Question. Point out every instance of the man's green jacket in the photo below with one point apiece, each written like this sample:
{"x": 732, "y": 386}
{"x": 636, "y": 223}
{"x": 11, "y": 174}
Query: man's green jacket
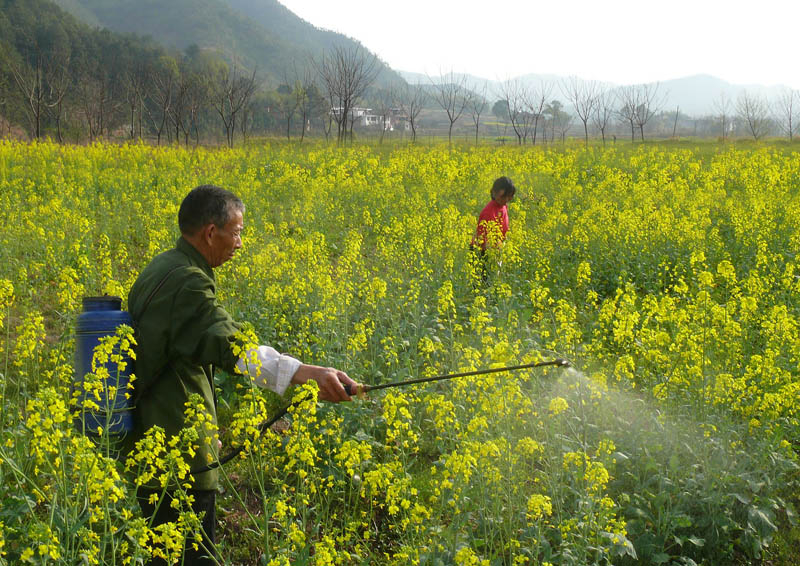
{"x": 183, "y": 334}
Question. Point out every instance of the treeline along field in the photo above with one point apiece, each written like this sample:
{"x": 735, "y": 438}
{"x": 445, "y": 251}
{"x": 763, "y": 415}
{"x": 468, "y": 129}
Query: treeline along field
{"x": 668, "y": 276}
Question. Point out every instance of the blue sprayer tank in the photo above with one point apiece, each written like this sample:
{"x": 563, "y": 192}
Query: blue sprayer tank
{"x": 100, "y": 317}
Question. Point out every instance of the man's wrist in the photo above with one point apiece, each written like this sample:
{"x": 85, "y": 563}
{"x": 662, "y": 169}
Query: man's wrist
{"x": 301, "y": 375}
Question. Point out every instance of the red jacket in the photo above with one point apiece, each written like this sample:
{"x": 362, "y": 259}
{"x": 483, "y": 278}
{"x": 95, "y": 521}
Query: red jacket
{"x": 486, "y": 233}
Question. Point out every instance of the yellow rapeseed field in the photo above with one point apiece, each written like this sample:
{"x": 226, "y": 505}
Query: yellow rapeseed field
{"x": 668, "y": 276}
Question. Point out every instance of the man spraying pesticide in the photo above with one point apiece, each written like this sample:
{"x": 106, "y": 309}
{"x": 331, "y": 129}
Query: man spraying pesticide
{"x": 184, "y": 334}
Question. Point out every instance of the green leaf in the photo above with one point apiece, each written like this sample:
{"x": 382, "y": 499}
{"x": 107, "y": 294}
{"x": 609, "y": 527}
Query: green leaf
{"x": 790, "y": 516}
{"x": 761, "y": 521}
{"x": 361, "y": 436}
{"x": 619, "y": 456}
{"x": 683, "y": 521}
{"x": 742, "y": 498}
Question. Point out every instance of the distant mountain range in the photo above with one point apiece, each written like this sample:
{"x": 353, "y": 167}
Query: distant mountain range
{"x": 260, "y": 34}
{"x": 265, "y": 35}
{"x": 694, "y": 96}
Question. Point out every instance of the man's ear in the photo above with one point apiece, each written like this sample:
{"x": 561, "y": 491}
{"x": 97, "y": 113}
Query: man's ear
{"x": 208, "y": 232}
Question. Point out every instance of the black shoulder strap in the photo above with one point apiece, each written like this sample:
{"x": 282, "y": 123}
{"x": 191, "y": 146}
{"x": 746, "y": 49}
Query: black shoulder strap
{"x": 138, "y": 394}
{"x": 157, "y": 289}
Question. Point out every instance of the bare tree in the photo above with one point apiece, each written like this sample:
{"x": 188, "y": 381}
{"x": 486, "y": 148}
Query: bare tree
{"x": 328, "y": 124}
{"x": 535, "y": 103}
{"x": 515, "y": 95}
{"x": 563, "y": 122}
{"x": 785, "y": 110}
{"x": 604, "y": 110}
{"x": 40, "y": 67}
{"x": 754, "y": 111}
{"x": 198, "y": 71}
{"x": 293, "y": 97}
{"x": 198, "y": 98}
{"x": 346, "y": 73}
{"x": 29, "y": 78}
{"x": 135, "y": 85}
{"x": 384, "y": 99}
{"x": 626, "y": 111}
{"x": 99, "y": 100}
{"x": 722, "y": 107}
{"x": 246, "y": 121}
{"x": 311, "y": 101}
{"x": 638, "y": 104}
{"x": 301, "y": 98}
{"x": 163, "y": 77}
{"x": 243, "y": 94}
{"x": 476, "y": 105}
{"x": 412, "y": 100}
{"x": 452, "y": 95}
{"x": 190, "y": 91}
{"x": 529, "y": 121}
{"x": 288, "y": 102}
{"x": 583, "y": 97}
{"x": 560, "y": 121}
{"x": 93, "y": 98}
{"x": 178, "y": 111}
{"x": 58, "y": 81}
{"x": 230, "y": 92}
{"x": 648, "y": 103}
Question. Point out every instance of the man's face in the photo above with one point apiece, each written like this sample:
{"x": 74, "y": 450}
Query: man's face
{"x": 225, "y": 241}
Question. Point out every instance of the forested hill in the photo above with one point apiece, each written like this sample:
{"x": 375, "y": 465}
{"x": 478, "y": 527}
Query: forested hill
{"x": 53, "y": 66}
{"x": 282, "y": 23}
{"x": 74, "y": 80}
{"x": 260, "y": 34}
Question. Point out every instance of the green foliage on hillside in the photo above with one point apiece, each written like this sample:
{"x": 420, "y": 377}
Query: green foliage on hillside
{"x": 180, "y": 23}
{"x": 261, "y": 35}
{"x": 281, "y": 22}
{"x": 83, "y": 14}
{"x": 51, "y": 62}
{"x": 61, "y": 78}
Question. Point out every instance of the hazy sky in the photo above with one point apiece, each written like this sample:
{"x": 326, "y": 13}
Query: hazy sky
{"x": 620, "y": 41}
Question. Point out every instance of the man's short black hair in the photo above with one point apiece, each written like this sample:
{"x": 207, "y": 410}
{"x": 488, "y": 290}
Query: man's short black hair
{"x": 503, "y": 186}
{"x": 207, "y": 204}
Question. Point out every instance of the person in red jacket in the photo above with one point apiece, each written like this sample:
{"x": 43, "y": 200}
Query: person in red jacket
{"x": 493, "y": 222}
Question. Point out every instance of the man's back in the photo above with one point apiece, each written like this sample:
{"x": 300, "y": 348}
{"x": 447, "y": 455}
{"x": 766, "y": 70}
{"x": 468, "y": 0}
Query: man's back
{"x": 182, "y": 335}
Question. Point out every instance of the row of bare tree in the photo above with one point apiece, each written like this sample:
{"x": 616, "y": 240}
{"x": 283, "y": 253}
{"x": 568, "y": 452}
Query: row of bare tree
{"x": 753, "y": 113}
{"x": 592, "y": 103}
{"x": 597, "y": 106}
{"x": 174, "y": 96}
{"x": 532, "y": 112}
{"x": 759, "y": 115}
{"x": 155, "y": 95}
{"x": 178, "y": 96}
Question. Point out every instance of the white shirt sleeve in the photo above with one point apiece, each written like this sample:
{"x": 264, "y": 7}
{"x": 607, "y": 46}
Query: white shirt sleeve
{"x": 268, "y": 368}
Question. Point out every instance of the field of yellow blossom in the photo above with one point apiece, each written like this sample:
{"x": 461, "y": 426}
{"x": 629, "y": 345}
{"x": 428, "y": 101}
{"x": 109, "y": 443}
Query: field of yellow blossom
{"x": 668, "y": 275}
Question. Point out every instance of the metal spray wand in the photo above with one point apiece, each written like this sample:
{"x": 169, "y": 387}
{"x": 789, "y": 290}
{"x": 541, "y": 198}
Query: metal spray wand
{"x": 364, "y": 388}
